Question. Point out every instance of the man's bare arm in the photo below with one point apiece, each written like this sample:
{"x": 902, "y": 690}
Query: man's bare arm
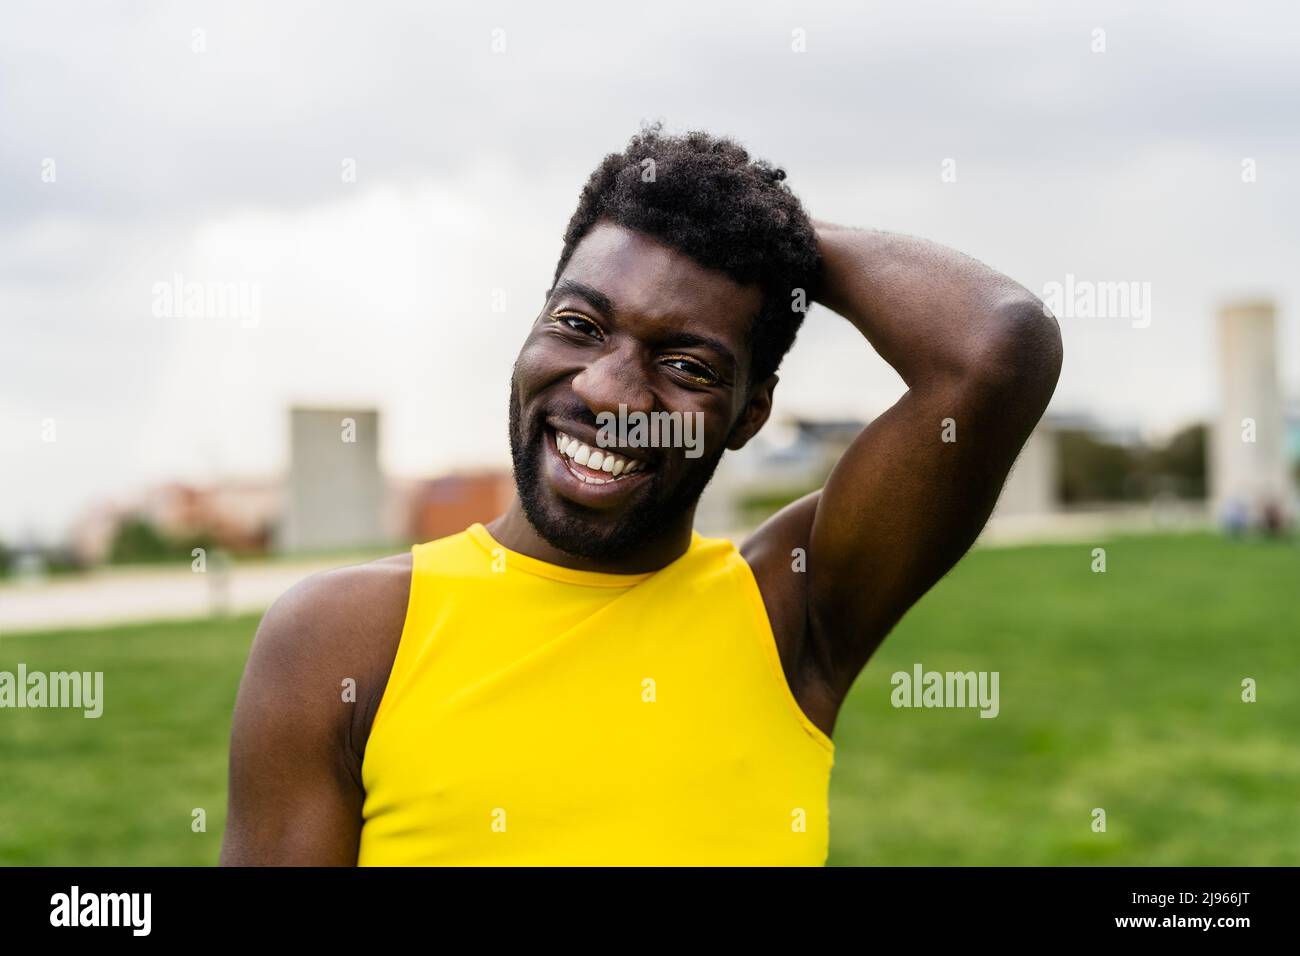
{"x": 297, "y": 741}
{"x": 980, "y": 358}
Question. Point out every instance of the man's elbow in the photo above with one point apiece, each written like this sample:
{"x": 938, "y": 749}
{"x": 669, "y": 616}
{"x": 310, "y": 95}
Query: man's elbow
{"x": 1022, "y": 351}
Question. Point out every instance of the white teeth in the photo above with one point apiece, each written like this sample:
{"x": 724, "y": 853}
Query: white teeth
{"x": 584, "y": 454}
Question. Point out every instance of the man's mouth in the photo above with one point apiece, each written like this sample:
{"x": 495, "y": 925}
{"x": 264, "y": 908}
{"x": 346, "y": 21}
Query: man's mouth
{"x": 594, "y": 466}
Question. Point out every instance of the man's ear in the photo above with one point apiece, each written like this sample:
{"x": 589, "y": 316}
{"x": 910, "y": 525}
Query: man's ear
{"x": 754, "y": 417}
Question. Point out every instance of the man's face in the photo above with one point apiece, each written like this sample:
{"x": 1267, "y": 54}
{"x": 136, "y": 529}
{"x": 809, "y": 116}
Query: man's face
{"x": 631, "y": 322}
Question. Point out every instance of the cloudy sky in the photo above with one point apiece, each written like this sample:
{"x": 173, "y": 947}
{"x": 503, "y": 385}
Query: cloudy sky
{"x": 382, "y": 174}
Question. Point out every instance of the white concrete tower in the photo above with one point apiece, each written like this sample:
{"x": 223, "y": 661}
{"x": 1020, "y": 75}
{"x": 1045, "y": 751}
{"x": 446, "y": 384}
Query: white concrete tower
{"x": 335, "y": 488}
{"x": 1248, "y": 460}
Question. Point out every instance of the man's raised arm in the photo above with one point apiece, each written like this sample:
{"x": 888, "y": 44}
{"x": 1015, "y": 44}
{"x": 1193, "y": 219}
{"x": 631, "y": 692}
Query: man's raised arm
{"x": 980, "y": 358}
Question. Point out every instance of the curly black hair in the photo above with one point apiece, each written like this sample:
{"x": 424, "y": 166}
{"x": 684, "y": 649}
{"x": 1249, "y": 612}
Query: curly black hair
{"x": 707, "y": 199}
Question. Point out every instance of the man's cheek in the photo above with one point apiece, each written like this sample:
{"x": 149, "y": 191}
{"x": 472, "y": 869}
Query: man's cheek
{"x": 535, "y": 374}
{"x": 522, "y": 371}
{"x": 715, "y": 438}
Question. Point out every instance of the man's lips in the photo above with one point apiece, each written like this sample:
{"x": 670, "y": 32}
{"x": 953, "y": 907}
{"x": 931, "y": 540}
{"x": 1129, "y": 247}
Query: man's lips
{"x": 585, "y": 485}
{"x": 648, "y": 458}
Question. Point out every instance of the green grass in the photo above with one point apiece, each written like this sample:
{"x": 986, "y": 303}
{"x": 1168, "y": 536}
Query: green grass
{"x": 1119, "y": 690}
{"x": 120, "y": 789}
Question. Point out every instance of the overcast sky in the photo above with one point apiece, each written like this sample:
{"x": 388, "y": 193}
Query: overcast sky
{"x": 134, "y": 149}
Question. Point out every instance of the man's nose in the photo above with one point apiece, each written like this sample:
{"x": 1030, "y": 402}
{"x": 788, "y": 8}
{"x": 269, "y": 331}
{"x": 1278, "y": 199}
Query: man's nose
{"x": 615, "y": 378}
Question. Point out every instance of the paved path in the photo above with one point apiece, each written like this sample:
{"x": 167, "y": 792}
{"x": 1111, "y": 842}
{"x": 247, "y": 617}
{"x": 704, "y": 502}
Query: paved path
{"x": 119, "y": 595}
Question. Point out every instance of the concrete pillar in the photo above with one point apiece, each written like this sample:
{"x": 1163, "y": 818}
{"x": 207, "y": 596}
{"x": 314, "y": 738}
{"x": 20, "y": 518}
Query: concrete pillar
{"x": 1248, "y": 470}
{"x": 1031, "y": 486}
{"x": 335, "y": 490}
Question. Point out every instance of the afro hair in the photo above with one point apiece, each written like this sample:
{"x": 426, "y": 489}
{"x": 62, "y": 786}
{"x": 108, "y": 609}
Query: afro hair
{"x": 703, "y": 196}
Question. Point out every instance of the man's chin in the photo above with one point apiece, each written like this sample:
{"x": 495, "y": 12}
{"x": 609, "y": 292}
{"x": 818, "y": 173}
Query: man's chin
{"x": 628, "y": 524}
{"x": 581, "y": 531}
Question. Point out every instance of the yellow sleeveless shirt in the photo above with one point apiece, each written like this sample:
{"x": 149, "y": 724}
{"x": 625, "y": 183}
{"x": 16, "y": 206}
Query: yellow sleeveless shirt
{"x": 539, "y": 715}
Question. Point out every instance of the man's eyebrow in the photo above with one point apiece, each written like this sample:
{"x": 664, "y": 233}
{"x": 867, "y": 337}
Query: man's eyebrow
{"x": 599, "y": 301}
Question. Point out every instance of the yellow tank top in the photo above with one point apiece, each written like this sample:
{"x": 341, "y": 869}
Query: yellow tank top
{"x": 539, "y": 715}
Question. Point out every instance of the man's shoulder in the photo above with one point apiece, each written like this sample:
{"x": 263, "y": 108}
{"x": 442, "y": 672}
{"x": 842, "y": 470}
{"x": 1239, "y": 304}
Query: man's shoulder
{"x": 336, "y": 624}
{"x": 341, "y": 599}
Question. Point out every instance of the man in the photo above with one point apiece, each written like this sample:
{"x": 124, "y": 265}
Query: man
{"x": 586, "y": 679}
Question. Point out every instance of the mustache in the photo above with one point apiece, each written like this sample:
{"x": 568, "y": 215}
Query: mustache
{"x": 578, "y": 414}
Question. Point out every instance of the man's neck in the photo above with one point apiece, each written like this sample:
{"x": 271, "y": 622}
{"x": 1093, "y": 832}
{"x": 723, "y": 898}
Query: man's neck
{"x": 513, "y": 530}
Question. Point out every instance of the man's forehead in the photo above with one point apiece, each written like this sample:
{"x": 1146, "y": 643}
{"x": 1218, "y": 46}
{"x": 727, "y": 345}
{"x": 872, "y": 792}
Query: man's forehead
{"x": 646, "y": 278}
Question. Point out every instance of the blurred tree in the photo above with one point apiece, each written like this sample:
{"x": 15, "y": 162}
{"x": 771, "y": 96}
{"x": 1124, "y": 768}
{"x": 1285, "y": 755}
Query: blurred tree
{"x": 1181, "y": 463}
{"x": 137, "y": 541}
{"x": 1093, "y": 469}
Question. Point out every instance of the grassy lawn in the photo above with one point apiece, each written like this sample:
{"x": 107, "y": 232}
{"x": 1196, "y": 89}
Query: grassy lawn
{"x": 1119, "y": 690}
{"x": 119, "y": 790}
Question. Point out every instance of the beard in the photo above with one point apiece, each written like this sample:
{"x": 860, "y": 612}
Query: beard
{"x": 590, "y": 533}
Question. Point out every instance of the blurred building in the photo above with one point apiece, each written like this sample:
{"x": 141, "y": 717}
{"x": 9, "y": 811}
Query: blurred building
{"x": 788, "y": 458}
{"x": 242, "y": 513}
{"x": 1249, "y": 478}
{"x": 1292, "y": 414}
{"x": 91, "y": 535}
{"x": 1032, "y": 486}
{"x": 237, "y": 514}
{"x": 334, "y": 497}
{"x": 447, "y": 505}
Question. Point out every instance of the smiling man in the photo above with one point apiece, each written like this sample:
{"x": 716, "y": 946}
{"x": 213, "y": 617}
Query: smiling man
{"x": 586, "y": 679}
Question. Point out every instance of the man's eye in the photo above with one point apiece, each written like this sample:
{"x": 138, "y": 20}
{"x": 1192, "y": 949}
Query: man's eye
{"x": 576, "y": 322}
{"x": 695, "y": 370}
